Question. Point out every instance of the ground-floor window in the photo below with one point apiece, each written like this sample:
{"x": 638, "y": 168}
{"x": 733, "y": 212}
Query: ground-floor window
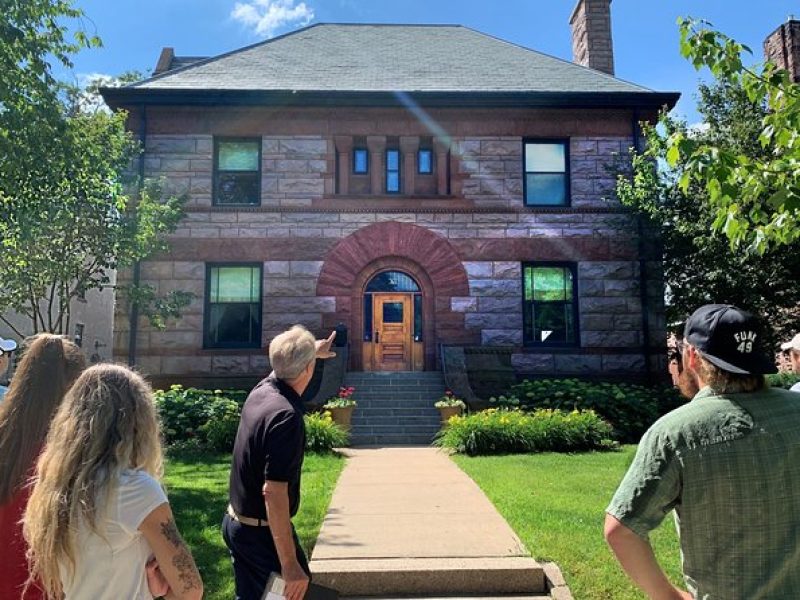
{"x": 233, "y": 306}
{"x": 550, "y": 304}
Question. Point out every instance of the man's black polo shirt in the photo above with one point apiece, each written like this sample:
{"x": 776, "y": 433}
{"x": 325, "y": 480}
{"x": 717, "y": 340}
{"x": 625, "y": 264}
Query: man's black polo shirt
{"x": 269, "y": 445}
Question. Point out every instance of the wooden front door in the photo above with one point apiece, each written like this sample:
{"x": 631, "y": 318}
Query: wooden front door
{"x": 393, "y": 319}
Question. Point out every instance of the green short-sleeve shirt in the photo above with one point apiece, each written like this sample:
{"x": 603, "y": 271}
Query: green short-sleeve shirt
{"x": 730, "y": 468}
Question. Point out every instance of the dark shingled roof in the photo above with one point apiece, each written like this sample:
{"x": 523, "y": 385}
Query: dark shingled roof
{"x": 376, "y": 59}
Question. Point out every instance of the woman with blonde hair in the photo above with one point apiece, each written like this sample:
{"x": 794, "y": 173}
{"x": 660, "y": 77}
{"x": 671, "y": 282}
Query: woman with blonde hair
{"x": 49, "y": 366}
{"x": 98, "y": 515}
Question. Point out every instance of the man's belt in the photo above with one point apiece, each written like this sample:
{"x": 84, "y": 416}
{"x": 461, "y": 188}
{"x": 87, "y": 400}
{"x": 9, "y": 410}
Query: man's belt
{"x": 246, "y": 520}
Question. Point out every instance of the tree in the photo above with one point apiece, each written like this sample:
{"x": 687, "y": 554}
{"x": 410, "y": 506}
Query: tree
{"x": 699, "y": 264}
{"x": 755, "y": 195}
{"x": 67, "y": 217}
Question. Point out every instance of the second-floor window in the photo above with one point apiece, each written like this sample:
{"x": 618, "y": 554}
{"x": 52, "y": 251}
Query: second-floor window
{"x": 237, "y": 171}
{"x": 546, "y": 173}
{"x": 424, "y": 162}
{"x": 360, "y": 161}
{"x": 392, "y": 171}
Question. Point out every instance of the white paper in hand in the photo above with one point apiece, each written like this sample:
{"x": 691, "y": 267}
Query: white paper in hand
{"x": 276, "y": 588}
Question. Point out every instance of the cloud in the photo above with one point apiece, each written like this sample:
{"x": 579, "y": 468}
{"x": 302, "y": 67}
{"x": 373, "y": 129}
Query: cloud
{"x": 267, "y": 16}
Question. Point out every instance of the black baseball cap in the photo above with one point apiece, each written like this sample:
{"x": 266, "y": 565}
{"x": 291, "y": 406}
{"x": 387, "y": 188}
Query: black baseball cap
{"x": 729, "y": 338}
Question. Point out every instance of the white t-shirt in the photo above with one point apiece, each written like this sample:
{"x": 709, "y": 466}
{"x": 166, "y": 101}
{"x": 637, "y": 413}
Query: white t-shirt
{"x": 795, "y": 387}
{"x": 114, "y": 568}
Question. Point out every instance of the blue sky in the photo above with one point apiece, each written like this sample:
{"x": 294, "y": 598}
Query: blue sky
{"x": 644, "y": 31}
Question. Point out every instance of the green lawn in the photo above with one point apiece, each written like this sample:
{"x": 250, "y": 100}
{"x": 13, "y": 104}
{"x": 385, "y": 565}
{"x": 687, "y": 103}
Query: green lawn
{"x": 556, "y": 504}
{"x": 197, "y": 486}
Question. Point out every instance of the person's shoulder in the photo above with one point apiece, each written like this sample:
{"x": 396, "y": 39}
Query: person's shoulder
{"x": 136, "y": 478}
{"x": 706, "y": 419}
{"x": 795, "y": 387}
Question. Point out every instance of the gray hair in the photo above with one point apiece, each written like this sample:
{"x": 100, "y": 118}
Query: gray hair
{"x": 291, "y": 351}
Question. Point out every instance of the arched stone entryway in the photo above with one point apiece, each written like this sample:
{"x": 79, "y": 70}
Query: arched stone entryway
{"x": 426, "y": 256}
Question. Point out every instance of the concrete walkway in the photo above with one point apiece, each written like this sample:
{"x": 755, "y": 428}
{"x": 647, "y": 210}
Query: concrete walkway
{"x": 408, "y": 521}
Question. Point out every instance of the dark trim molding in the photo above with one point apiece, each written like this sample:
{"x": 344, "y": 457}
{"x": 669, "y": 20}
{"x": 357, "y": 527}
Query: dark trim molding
{"x": 124, "y": 96}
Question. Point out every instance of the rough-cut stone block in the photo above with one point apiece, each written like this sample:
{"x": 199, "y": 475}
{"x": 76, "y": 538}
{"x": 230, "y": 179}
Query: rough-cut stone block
{"x": 311, "y": 321}
{"x": 623, "y": 363}
{"x": 591, "y": 287}
{"x": 259, "y": 363}
{"x": 174, "y": 164}
{"x": 621, "y": 287}
{"x": 185, "y": 365}
{"x": 495, "y": 288}
{"x": 603, "y": 305}
{"x": 597, "y": 322}
{"x": 302, "y": 304}
{"x": 507, "y": 270}
{"x": 306, "y": 268}
{"x": 478, "y": 270}
{"x": 157, "y": 144}
{"x": 499, "y": 148}
{"x": 582, "y": 147}
{"x": 301, "y": 186}
{"x": 308, "y": 148}
{"x": 156, "y": 270}
{"x": 468, "y": 148}
{"x": 204, "y": 145}
{"x": 533, "y": 363}
{"x": 280, "y": 286}
{"x": 508, "y": 305}
{"x": 493, "y": 320}
{"x": 233, "y": 365}
{"x": 276, "y": 268}
{"x": 189, "y": 270}
{"x": 609, "y": 339}
{"x": 463, "y": 304}
{"x": 603, "y": 270}
{"x": 501, "y": 337}
{"x": 578, "y": 363}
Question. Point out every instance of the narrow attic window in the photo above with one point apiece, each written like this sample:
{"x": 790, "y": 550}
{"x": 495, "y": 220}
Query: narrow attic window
{"x": 360, "y": 161}
{"x": 237, "y": 171}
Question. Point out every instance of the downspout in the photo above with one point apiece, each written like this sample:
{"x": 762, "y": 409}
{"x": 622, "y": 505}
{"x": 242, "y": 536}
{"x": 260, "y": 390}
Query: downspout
{"x": 642, "y": 267}
{"x": 137, "y": 267}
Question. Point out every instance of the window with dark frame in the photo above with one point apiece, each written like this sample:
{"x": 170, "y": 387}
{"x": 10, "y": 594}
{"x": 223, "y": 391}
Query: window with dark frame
{"x": 360, "y": 161}
{"x": 237, "y": 171}
{"x": 550, "y": 304}
{"x": 424, "y": 161}
{"x": 233, "y": 306}
{"x": 546, "y": 180}
{"x": 392, "y": 171}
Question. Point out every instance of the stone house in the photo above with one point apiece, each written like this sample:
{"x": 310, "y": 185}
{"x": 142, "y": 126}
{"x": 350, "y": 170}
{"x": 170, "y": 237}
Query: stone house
{"x": 426, "y": 186}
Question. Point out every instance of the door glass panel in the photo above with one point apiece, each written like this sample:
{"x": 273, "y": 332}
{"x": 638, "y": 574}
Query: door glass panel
{"x": 392, "y": 312}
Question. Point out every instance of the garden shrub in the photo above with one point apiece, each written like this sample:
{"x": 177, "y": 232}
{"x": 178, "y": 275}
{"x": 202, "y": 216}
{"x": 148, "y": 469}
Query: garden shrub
{"x": 512, "y": 431}
{"x": 629, "y": 408}
{"x": 194, "y": 419}
{"x": 784, "y": 379}
{"x": 322, "y": 434}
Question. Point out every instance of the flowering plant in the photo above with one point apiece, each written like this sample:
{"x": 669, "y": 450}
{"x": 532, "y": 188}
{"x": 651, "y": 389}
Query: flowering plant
{"x": 342, "y": 400}
{"x": 449, "y": 399}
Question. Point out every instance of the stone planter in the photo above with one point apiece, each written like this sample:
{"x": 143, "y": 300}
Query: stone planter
{"x": 449, "y": 411}
{"x": 342, "y": 416}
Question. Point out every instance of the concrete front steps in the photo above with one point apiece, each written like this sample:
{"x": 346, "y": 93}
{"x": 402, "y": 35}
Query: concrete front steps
{"x": 431, "y": 577}
{"x": 395, "y": 408}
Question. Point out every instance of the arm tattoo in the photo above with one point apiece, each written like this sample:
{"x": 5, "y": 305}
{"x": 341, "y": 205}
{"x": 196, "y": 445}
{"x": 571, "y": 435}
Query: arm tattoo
{"x": 187, "y": 571}
{"x": 170, "y": 531}
{"x": 182, "y": 560}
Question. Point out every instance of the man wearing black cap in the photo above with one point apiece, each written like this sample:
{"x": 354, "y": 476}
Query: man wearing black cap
{"x": 728, "y": 463}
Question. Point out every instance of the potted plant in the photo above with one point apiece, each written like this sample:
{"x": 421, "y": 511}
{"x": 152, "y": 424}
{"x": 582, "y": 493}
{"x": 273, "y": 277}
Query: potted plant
{"x": 341, "y": 407}
{"x": 449, "y": 406}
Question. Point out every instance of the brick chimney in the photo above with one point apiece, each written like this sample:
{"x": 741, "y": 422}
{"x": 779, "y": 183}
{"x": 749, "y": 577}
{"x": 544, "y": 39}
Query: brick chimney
{"x": 782, "y": 47}
{"x": 591, "y": 35}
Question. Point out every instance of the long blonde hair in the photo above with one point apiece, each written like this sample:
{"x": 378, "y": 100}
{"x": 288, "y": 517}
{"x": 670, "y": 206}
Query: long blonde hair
{"x": 50, "y": 364}
{"x": 107, "y": 423}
